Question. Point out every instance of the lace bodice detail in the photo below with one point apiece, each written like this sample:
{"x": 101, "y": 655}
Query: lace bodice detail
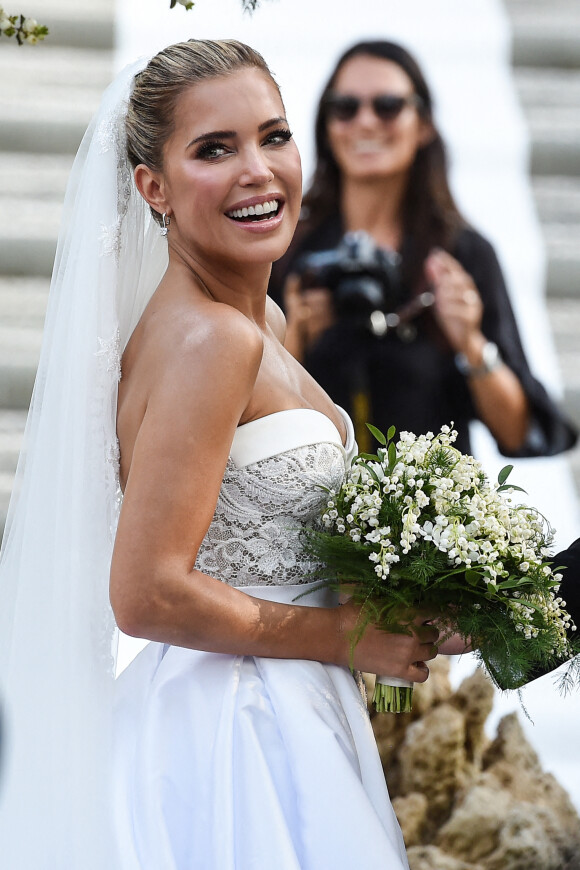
{"x": 255, "y": 535}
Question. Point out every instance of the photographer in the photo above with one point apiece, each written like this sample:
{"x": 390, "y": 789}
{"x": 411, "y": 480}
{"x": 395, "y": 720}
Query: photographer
{"x": 423, "y": 337}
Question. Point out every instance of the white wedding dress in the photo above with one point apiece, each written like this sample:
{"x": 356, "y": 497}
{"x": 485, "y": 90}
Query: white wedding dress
{"x": 241, "y": 763}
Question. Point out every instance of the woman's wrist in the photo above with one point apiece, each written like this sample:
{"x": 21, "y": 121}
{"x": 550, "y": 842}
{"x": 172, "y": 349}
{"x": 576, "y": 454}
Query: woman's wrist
{"x": 478, "y": 357}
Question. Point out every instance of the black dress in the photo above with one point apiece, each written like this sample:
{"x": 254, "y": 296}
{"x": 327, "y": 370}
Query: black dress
{"x": 410, "y": 376}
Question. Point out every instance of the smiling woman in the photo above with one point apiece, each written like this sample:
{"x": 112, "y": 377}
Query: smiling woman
{"x": 432, "y": 339}
{"x": 175, "y": 452}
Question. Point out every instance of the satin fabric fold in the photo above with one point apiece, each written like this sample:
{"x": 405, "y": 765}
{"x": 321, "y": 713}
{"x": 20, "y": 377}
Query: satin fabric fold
{"x": 245, "y": 763}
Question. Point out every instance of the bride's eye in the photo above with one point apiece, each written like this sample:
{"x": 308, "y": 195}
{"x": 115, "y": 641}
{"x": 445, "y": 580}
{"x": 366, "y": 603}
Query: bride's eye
{"x": 278, "y": 137}
{"x": 211, "y": 151}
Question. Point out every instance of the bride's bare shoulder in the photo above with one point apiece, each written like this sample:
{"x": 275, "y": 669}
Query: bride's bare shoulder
{"x": 174, "y": 333}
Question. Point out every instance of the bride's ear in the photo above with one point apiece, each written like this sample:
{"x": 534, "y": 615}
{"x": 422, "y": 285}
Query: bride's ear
{"x": 150, "y": 185}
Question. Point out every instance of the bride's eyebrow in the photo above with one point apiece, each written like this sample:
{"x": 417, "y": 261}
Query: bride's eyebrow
{"x": 231, "y": 134}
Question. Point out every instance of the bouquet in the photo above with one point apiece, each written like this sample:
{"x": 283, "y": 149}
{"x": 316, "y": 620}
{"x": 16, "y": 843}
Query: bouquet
{"x": 418, "y": 526}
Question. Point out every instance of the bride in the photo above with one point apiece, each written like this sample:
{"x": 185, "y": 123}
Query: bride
{"x": 237, "y": 738}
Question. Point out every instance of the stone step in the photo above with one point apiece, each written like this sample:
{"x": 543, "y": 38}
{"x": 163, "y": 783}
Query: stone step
{"x": 11, "y": 432}
{"x": 545, "y": 34}
{"x": 551, "y": 102}
{"x": 549, "y": 87}
{"x": 555, "y": 138}
{"x": 56, "y": 93}
{"x": 557, "y": 198}
{"x": 22, "y": 308}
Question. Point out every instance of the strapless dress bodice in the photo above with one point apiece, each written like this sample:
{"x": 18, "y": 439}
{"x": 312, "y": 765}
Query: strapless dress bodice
{"x": 275, "y": 483}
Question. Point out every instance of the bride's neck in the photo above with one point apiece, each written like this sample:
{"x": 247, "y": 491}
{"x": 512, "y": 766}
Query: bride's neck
{"x": 243, "y": 286}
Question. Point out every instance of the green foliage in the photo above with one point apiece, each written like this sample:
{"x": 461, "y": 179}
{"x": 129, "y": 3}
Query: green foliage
{"x": 417, "y": 526}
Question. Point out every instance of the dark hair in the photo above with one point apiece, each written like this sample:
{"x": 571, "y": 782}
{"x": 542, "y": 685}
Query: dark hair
{"x": 150, "y": 114}
{"x": 430, "y": 215}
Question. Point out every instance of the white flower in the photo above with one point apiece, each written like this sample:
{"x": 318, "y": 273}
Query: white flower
{"x": 29, "y": 24}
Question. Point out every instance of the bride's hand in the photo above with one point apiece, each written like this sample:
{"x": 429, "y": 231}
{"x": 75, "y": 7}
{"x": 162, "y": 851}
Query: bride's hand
{"x": 392, "y": 654}
{"x": 454, "y": 645}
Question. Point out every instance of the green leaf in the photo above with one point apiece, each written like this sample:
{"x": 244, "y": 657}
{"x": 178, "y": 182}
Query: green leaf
{"x": 504, "y": 474}
{"x": 391, "y": 433}
{"x": 377, "y": 434}
{"x": 510, "y": 486}
{"x": 369, "y": 457}
{"x": 513, "y": 583}
{"x": 472, "y": 577}
{"x": 371, "y": 472}
{"x": 392, "y": 456}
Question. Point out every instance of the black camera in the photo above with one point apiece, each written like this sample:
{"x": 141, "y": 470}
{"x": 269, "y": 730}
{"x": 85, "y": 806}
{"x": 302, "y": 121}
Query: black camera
{"x": 364, "y": 279}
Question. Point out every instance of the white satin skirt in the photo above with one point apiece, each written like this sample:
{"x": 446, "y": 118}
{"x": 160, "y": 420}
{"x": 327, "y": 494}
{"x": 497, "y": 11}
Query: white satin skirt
{"x": 240, "y": 763}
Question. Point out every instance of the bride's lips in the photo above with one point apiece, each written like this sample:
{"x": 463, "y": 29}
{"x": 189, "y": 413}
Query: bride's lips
{"x": 258, "y": 214}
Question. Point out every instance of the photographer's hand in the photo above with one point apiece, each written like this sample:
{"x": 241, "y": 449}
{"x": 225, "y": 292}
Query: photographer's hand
{"x": 458, "y": 306}
{"x": 309, "y": 313}
{"x": 496, "y": 391}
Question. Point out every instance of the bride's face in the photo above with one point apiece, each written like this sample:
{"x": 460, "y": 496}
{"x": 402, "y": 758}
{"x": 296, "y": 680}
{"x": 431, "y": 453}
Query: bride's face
{"x": 231, "y": 175}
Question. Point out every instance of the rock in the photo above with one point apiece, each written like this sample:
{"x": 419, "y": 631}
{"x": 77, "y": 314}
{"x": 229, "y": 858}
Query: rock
{"x": 525, "y": 841}
{"x": 435, "y": 690}
{"x": 432, "y": 858}
{"x": 473, "y": 831}
{"x": 514, "y": 766}
{"x": 411, "y": 812}
{"x": 390, "y": 729}
{"x": 474, "y": 698}
{"x": 432, "y": 759}
{"x": 489, "y": 827}
{"x": 511, "y": 745}
{"x": 465, "y": 802}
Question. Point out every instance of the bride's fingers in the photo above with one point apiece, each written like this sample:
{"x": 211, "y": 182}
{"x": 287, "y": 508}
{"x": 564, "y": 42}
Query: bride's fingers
{"x": 429, "y": 651}
{"x": 418, "y": 672}
{"x": 426, "y": 633}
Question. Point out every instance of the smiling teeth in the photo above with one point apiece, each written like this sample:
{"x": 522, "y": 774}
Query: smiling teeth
{"x": 252, "y": 210}
{"x": 368, "y": 146}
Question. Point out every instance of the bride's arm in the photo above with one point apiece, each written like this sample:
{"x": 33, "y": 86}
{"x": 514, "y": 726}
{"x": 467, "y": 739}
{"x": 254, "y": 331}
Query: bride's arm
{"x": 177, "y": 466}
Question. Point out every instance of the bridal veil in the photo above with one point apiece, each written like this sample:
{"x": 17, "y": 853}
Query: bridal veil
{"x": 57, "y": 632}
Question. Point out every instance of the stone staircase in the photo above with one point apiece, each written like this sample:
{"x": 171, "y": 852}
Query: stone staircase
{"x": 546, "y": 61}
{"x": 56, "y": 87}
{"x": 49, "y": 93}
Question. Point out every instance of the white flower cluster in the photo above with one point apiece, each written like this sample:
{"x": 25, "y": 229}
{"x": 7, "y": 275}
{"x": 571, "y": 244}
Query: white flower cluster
{"x": 421, "y": 490}
{"x": 23, "y": 29}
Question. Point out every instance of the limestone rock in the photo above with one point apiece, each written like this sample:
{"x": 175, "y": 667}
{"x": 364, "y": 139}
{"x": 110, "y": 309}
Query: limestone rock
{"x": 432, "y": 759}
{"x": 465, "y": 802}
{"x": 473, "y": 831}
{"x": 515, "y": 767}
{"x": 437, "y": 688}
{"x": 525, "y": 841}
{"x": 432, "y": 858}
{"x": 474, "y": 698}
{"x": 411, "y": 812}
{"x": 501, "y": 833}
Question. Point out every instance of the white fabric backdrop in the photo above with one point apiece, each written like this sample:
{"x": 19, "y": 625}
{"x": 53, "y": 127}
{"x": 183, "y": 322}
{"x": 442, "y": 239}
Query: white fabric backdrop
{"x": 464, "y": 50}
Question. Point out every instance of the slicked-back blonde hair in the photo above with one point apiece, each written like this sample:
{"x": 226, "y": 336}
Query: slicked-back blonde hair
{"x": 150, "y": 114}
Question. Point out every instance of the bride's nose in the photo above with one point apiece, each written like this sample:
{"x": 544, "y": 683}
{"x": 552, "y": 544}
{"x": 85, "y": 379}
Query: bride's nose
{"x": 255, "y": 169}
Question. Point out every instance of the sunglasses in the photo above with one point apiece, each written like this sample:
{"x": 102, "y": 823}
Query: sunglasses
{"x": 387, "y": 107}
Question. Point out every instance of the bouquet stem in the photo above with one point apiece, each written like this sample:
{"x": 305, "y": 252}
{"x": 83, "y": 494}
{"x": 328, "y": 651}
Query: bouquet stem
{"x": 393, "y": 695}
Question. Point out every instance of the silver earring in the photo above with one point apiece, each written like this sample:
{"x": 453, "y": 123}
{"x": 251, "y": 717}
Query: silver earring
{"x": 165, "y": 221}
